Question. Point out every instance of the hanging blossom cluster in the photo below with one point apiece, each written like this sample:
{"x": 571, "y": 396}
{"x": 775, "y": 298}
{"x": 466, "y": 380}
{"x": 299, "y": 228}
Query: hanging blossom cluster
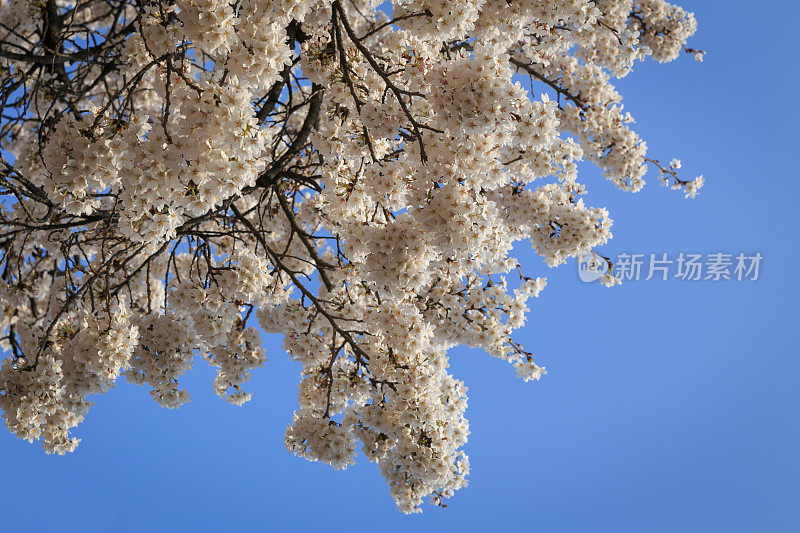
{"x": 350, "y": 174}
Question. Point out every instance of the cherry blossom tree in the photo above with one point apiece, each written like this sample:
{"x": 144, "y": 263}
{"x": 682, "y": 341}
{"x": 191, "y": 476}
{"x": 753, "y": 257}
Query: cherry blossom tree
{"x": 350, "y": 174}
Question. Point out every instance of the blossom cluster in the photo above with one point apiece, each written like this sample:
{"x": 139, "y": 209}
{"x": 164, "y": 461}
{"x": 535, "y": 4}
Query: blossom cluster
{"x": 355, "y": 179}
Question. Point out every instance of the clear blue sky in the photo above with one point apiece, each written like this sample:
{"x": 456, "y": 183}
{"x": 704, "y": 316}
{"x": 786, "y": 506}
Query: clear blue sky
{"x": 669, "y": 406}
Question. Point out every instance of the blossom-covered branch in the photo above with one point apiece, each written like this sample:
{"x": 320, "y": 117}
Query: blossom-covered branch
{"x": 350, "y": 175}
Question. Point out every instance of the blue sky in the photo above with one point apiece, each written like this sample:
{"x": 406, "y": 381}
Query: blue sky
{"x": 668, "y": 405}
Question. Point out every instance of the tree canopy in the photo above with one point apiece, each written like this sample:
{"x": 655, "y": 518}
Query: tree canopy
{"x": 350, "y": 174}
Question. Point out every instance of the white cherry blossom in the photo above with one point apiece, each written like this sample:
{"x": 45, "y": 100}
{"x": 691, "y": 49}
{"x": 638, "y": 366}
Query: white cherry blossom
{"x": 349, "y": 176}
